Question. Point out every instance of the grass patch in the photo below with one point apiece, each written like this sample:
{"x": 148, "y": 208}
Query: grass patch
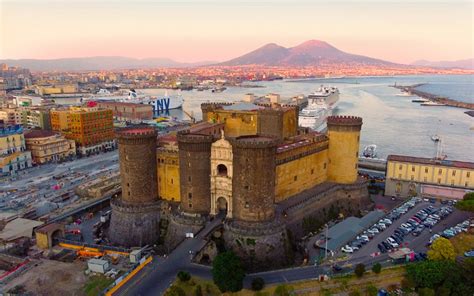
{"x": 462, "y": 242}
{"x": 96, "y": 284}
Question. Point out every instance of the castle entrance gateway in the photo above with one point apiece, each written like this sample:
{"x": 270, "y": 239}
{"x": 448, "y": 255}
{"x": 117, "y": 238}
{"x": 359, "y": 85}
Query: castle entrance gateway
{"x": 221, "y": 177}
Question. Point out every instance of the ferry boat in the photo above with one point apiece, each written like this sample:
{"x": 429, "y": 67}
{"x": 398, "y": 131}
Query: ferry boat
{"x": 159, "y": 103}
{"x": 320, "y": 105}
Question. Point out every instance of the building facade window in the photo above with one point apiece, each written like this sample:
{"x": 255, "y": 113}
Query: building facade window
{"x": 412, "y": 168}
{"x": 454, "y": 173}
{"x": 426, "y": 170}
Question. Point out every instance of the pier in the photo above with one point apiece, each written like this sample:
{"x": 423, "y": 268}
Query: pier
{"x": 434, "y": 98}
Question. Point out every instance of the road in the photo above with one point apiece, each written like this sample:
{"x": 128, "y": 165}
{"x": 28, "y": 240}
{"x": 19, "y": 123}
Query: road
{"x": 157, "y": 276}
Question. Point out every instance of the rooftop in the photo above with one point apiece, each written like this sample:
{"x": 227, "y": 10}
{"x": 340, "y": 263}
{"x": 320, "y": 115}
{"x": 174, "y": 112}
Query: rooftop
{"x": 431, "y": 161}
{"x": 39, "y": 134}
{"x": 19, "y": 227}
{"x": 243, "y": 106}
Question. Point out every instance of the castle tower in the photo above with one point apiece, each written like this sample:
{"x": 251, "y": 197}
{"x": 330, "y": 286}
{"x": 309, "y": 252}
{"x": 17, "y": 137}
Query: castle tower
{"x": 195, "y": 172}
{"x": 343, "y": 152}
{"x": 254, "y": 232}
{"x": 135, "y": 214}
{"x": 253, "y": 184}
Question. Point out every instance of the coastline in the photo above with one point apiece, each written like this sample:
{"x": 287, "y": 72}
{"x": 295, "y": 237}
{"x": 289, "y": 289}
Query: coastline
{"x": 432, "y": 97}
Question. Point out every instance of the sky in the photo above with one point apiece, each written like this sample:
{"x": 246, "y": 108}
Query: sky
{"x": 192, "y": 30}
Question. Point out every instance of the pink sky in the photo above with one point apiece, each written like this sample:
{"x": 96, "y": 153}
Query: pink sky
{"x": 193, "y": 31}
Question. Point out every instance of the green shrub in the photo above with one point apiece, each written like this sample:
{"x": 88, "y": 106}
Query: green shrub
{"x": 377, "y": 268}
{"x": 359, "y": 270}
{"x": 184, "y": 276}
{"x": 258, "y": 284}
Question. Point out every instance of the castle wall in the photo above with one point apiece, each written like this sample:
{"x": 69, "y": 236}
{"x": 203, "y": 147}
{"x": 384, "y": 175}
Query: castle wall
{"x": 168, "y": 175}
{"x": 300, "y": 174}
{"x": 344, "y": 138}
{"x": 346, "y": 199}
{"x": 237, "y": 123}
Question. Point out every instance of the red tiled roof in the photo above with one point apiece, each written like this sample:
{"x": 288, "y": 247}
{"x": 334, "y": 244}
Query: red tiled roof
{"x": 431, "y": 161}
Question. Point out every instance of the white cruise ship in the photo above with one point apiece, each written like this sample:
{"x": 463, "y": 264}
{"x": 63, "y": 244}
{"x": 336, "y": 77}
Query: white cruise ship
{"x": 159, "y": 103}
{"x": 320, "y": 105}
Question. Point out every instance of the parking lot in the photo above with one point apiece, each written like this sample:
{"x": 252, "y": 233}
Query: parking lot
{"x": 416, "y": 243}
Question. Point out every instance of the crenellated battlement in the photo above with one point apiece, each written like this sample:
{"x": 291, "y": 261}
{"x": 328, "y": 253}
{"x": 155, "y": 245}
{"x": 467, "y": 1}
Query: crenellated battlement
{"x": 187, "y": 137}
{"x": 140, "y": 132}
{"x": 344, "y": 120}
{"x": 254, "y": 142}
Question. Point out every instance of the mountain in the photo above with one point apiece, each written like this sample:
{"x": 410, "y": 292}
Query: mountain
{"x": 98, "y": 63}
{"x": 309, "y": 53}
{"x": 462, "y": 64}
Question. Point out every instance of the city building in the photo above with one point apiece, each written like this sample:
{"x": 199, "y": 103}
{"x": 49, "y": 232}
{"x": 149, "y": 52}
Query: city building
{"x": 56, "y": 89}
{"x": 130, "y": 112}
{"x": 90, "y": 127}
{"x": 442, "y": 179}
{"x": 48, "y": 146}
{"x": 15, "y": 78}
{"x": 37, "y": 117}
{"x": 10, "y": 116}
{"x": 13, "y": 153}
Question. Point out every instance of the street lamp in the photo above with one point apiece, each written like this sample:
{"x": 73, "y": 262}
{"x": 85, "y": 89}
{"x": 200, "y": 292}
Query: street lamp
{"x": 326, "y": 247}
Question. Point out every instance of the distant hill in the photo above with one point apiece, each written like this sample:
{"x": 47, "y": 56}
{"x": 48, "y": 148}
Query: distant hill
{"x": 309, "y": 53}
{"x": 462, "y": 64}
{"x": 98, "y": 63}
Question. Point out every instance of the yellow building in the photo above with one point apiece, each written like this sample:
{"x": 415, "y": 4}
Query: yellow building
{"x": 409, "y": 176}
{"x": 57, "y": 89}
{"x": 13, "y": 153}
{"x": 47, "y": 146}
{"x": 244, "y": 118}
{"x": 91, "y": 128}
{"x": 168, "y": 169}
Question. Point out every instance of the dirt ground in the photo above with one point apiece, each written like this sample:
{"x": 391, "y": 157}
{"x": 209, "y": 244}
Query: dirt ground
{"x": 51, "y": 278}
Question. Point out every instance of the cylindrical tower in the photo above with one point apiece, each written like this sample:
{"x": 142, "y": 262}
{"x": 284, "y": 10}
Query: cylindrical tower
{"x": 343, "y": 152}
{"x": 135, "y": 214}
{"x": 137, "y": 154}
{"x": 195, "y": 172}
{"x": 253, "y": 186}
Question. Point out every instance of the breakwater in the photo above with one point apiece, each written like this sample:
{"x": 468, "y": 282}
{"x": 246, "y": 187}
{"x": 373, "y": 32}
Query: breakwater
{"x": 432, "y": 97}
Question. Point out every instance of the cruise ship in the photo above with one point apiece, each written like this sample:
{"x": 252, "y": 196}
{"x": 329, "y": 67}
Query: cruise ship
{"x": 320, "y": 105}
{"x": 159, "y": 103}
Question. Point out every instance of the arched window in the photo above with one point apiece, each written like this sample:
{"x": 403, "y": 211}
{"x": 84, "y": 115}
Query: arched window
{"x": 221, "y": 170}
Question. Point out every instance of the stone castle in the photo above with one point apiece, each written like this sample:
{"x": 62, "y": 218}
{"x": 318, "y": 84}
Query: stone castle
{"x": 249, "y": 162}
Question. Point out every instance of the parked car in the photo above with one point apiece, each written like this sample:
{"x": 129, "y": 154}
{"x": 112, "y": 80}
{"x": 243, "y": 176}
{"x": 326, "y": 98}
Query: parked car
{"x": 469, "y": 253}
{"x": 347, "y": 249}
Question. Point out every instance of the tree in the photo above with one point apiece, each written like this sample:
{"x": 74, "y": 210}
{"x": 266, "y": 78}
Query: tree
{"x": 430, "y": 274}
{"x": 467, "y": 204}
{"x": 184, "y": 276}
{"x": 359, "y": 270}
{"x": 426, "y": 292}
{"x": 227, "y": 272}
{"x": 198, "y": 291}
{"x": 377, "y": 268}
{"x": 283, "y": 290}
{"x": 441, "y": 249}
{"x": 371, "y": 290}
{"x": 258, "y": 284}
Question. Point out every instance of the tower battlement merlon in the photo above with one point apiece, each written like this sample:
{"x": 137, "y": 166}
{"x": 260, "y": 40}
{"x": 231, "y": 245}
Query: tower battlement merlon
{"x": 188, "y": 137}
{"x": 344, "y": 120}
{"x": 254, "y": 142}
{"x": 136, "y": 132}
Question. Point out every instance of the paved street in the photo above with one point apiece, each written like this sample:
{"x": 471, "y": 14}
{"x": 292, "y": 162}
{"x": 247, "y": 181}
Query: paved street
{"x": 157, "y": 276}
